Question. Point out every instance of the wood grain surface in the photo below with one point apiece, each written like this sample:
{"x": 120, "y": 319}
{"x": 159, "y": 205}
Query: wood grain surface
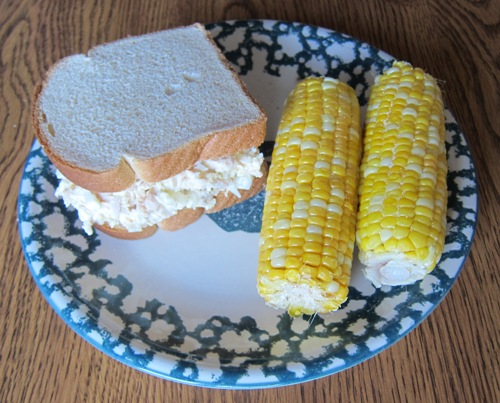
{"x": 453, "y": 356}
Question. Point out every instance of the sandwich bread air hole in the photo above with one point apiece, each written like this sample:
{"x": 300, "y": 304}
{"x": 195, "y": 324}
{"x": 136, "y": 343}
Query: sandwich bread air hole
{"x": 147, "y": 127}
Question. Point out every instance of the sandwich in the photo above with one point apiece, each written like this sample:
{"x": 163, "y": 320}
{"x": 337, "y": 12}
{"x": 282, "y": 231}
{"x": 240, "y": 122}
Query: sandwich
{"x": 150, "y": 132}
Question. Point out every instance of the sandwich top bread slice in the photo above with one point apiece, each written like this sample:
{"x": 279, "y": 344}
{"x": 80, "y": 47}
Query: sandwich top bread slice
{"x": 137, "y": 112}
{"x": 143, "y": 107}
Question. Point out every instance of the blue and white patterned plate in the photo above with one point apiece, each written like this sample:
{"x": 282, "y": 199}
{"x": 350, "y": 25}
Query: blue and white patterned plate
{"x": 183, "y": 306}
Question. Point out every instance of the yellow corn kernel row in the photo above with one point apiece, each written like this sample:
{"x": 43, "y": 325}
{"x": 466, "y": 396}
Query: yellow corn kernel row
{"x": 403, "y": 197}
{"x": 309, "y": 219}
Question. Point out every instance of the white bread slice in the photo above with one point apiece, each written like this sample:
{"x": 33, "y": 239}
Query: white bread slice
{"x": 144, "y": 107}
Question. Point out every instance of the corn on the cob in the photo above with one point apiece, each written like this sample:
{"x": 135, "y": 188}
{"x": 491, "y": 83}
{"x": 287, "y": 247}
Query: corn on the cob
{"x": 309, "y": 219}
{"x": 402, "y": 207}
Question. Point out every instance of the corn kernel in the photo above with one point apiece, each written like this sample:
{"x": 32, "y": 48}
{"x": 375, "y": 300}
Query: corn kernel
{"x": 311, "y": 237}
{"x": 297, "y": 232}
{"x": 405, "y": 245}
{"x": 296, "y": 242}
{"x": 309, "y": 272}
{"x": 401, "y": 232}
{"x": 390, "y": 245}
{"x": 331, "y": 264}
{"x": 418, "y": 239}
{"x": 292, "y": 275}
{"x": 324, "y": 274}
{"x": 294, "y": 251}
{"x": 317, "y": 221}
{"x": 313, "y": 247}
{"x": 371, "y": 242}
{"x": 329, "y": 250}
{"x": 276, "y": 274}
{"x": 312, "y": 259}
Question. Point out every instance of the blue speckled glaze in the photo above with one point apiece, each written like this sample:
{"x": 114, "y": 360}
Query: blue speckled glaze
{"x": 216, "y": 331}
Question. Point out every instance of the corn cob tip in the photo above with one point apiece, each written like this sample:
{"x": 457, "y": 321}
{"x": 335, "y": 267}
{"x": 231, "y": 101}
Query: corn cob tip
{"x": 303, "y": 298}
{"x": 395, "y": 268}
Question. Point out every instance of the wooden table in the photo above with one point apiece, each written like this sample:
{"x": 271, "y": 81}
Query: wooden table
{"x": 453, "y": 356}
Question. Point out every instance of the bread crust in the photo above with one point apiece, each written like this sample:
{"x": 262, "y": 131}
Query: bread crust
{"x": 188, "y": 216}
{"x": 215, "y": 145}
{"x": 182, "y": 219}
{"x": 122, "y": 233}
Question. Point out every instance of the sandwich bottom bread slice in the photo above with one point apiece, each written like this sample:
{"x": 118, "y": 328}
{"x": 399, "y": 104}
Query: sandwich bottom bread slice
{"x": 171, "y": 204}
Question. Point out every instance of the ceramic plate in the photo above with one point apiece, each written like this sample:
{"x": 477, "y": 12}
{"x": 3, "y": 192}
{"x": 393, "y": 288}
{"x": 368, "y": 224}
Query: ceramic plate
{"x": 183, "y": 306}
